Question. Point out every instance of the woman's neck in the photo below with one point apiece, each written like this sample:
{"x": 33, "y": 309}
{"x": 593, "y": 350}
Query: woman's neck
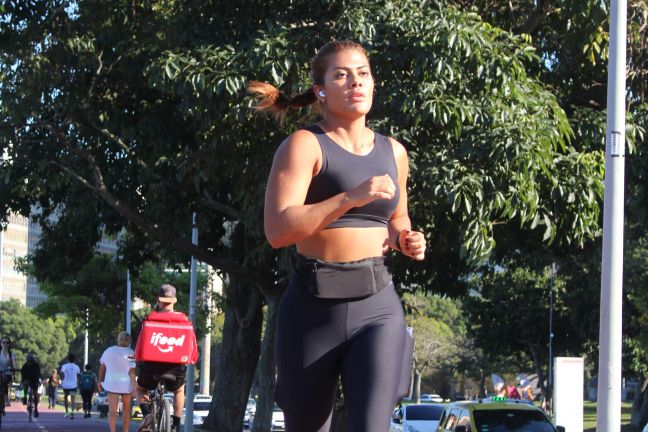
{"x": 349, "y": 133}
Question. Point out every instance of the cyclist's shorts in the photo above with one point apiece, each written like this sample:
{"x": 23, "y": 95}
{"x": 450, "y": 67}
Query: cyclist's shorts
{"x": 70, "y": 391}
{"x": 148, "y": 370}
{"x": 33, "y": 385}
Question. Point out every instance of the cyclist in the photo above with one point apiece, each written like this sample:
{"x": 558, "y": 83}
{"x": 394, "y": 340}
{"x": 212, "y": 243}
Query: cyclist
{"x": 7, "y": 366}
{"x": 31, "y": 378}
{"x": 166, "y": 299}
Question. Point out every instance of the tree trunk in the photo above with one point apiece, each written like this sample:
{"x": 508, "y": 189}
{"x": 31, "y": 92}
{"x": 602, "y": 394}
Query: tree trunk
{"x": 416, "y": 393}
{"x": 239, "y": 355}
{"x": 640, "y": 407}
{"x": 338, "y": 422}
{"x": 266, "y": 371}
{"x": 482, "y": 383}
{"x": 546, "y": 392}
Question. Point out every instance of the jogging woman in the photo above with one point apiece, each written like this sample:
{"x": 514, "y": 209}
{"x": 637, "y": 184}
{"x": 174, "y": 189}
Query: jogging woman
{"x": 338, "y": 191}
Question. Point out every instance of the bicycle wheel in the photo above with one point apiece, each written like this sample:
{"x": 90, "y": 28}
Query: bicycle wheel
{"x": 163, "y": 416}
{"x": 30, "y": 404}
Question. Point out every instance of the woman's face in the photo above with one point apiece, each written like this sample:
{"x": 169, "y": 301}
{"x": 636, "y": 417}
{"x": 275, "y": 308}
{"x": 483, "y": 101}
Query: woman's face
{"x": 6, "y": 344}
{"x": 348, "y": 84}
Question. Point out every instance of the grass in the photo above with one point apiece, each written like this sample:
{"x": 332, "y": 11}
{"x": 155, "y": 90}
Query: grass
{"x": 589, "y": 417}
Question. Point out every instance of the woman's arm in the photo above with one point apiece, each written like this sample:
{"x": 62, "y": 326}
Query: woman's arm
{"x": 401, "y": 237}
{"x": 287, "y": 220}
{"x": 102, "y": 372}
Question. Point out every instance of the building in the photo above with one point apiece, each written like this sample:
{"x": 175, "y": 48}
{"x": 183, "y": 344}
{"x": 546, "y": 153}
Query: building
{"x": 14, "y": 243}
{"x": 19, "y": 239}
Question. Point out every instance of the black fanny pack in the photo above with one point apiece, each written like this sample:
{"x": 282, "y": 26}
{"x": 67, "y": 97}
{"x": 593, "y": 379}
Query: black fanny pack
{"x": 343, "y": 280}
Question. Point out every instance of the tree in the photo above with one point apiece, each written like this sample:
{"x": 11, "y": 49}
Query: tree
{"x": 510, "y": 319}
{"x": 47, "y": 338}
{"x": 132, "y": 115}
{"x": 438, "y": 334}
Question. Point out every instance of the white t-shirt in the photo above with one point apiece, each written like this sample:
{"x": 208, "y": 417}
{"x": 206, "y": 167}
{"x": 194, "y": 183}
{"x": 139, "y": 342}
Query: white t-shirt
{"x": 71, "y": 372}
{"x": 118, "y": 361}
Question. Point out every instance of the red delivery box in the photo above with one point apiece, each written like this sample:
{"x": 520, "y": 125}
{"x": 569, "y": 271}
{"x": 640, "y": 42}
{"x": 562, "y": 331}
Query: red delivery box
{"x": 167, "y": 341}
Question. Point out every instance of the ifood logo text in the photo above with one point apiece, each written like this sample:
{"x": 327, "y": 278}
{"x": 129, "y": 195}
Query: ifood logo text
{"x": 165, "y": 344}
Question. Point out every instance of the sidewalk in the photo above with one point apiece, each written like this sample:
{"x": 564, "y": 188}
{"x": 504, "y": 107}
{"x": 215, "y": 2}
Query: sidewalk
{"x": 54, "y": 420}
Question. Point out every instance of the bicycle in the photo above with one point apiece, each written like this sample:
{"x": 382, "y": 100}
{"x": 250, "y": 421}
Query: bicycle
{"x": 160, "y": 414}
{"x": 30, "y": 402}
{"x": 3, "y": 395}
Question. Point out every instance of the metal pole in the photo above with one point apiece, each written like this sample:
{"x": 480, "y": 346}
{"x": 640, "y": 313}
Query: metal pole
{"x": 188, "y": 423}
{"x": 85, "y": 344}
{"x": 608, "y": 416}
{"x": 129, "y": 302}
{"x": 205, "y": 359}
{"x": 551, "y": 302}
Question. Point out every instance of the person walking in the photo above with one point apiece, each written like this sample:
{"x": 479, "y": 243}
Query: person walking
{"x": 337, "y": 190}
{"x": 7, "y": 366}
{"x": 70, "y": 374}
{"x": 117, "y": 377}
{"x": 88, "y": 385}
{"x": 52, "y": 384}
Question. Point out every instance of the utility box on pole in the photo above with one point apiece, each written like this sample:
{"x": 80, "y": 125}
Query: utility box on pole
{"x": 568, "y": 381}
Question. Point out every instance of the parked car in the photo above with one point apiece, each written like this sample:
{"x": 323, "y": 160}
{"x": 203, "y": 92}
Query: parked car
{"x": 251, "y": 407}
{"x": 247, "y": 420}
{"x": 100, "y": 401}
{"x": 278, "y": 423}
{"x": 14, "y": 391}
{"x": 202, "y": 403}
{"x": 416, "y": 418}
{"x": 201, "y": 406}
{"x": 489, "y": 415}
{"x": 431, "y": 398}
{"x": 250, "y": 412}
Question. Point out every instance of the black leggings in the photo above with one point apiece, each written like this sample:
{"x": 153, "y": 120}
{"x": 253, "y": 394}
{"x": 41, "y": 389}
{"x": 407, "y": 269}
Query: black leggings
{"x": 86, "y": 396}
{"x": 319, "y": 339}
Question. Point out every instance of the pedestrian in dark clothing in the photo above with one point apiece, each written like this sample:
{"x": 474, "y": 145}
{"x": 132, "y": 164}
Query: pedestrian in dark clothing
{"x": 87, "y": 386}
{"x": 52, "y": 384}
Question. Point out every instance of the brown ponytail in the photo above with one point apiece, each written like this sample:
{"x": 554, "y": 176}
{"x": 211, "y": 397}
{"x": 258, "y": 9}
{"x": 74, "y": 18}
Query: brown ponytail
{"x": 271, "y": 100}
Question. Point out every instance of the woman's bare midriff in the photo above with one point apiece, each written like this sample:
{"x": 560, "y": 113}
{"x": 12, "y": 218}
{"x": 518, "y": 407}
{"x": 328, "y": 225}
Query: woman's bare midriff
{"x": 344, "y": 244}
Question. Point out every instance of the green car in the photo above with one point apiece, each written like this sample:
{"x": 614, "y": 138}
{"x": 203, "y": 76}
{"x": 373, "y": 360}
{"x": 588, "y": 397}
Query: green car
{"x": 495, "y": 415}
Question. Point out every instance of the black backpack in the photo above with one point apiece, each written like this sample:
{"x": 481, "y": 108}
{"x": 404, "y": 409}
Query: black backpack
{"x": 87, "y": 381}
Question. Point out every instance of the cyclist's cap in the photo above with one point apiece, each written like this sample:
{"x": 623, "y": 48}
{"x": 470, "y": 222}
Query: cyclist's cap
{"x": 167, "y": 294}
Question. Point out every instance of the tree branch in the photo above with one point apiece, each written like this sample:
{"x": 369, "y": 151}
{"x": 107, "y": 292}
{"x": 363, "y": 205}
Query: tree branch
{"x": 117, "y": 140}
{"x": 219, "y": 207}
{"x": 543, "y": 8}
{"x": 157, "y": 231}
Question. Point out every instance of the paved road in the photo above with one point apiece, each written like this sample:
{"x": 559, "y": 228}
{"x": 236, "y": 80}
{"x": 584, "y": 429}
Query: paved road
{"x": 16, "y": 420}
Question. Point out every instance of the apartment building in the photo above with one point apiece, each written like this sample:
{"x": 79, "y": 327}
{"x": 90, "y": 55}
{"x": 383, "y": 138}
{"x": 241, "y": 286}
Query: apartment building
{"x": 20, "y": 238}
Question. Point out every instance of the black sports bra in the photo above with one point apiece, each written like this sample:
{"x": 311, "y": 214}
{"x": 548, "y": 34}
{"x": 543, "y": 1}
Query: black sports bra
{"x": 342, "y": 170}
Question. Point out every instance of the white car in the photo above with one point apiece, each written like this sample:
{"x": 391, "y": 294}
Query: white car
{"x": 202, "y": 403}
{"x": 278, "y": 423}
{"x": 431, "y": 398}
{"x": 201, "y": 408}
{"x": 251, "y": 407}
{"x": 416, "y": 418}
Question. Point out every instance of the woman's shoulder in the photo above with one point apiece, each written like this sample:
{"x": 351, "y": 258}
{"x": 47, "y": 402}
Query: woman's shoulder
{"x": 302, "y": 141}
{"x": 397, "y": 147}
{"x": 306, "y": 134}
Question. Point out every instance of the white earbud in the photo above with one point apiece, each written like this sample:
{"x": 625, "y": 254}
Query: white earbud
{"x": 321, "y": 94}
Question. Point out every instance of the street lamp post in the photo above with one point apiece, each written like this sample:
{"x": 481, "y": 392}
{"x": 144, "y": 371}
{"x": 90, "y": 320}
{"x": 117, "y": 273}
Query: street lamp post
{"x": 552, "y": 275}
